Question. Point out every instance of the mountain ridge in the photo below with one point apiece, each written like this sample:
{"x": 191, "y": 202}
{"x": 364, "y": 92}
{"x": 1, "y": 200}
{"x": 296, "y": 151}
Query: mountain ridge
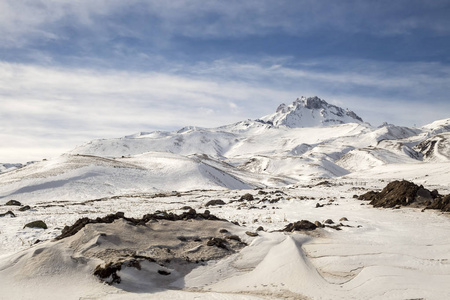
{"x": 246, "y": 154}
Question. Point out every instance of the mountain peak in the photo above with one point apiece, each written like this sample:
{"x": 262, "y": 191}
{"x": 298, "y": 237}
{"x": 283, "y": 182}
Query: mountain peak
{"x": 311, "y": 112}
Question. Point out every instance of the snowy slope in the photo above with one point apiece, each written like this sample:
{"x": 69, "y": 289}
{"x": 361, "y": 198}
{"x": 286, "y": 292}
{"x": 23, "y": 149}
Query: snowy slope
{"x": 74, "y": 177}
{"x": 436, "y": 148}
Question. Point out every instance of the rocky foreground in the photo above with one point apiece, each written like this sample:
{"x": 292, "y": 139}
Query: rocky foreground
{"x": 315, "y": 241}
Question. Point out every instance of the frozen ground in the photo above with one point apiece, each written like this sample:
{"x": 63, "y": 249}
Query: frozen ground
{"x": 378, "y": 254}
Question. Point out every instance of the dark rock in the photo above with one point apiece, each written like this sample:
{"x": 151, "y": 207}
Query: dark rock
{"x": 319, "y": 205}
{"x": 329, "y": 221}
{"x": 36, "y": 224}
{"x": 164, "y": 273}
{"x": 158, "y": 215}
{"x": 215, "y": 202}
{"x": 369, "y": 196}
{"x": 262, "y": 192}
{"x": 326, "y": 183}
{"x": 108, "y": 270}
{"x": 186, "y": 208}
{"x": 247, "y": 197}
{"x": 343, "y": 219}
{"x": 260, "y": 228}
{"x": 303, "y": 225}
{"x": 223, "y": 231}
{"x": 355, "y": 196}
{"x": 24, "y": 208}
{"x": 182, "y": 238}
{"x": 441, "y": 203}
{"x": 13, "y": 203}
{"x": 218, "y": 242}
{"x": 434, "y": 194}
{"x": 253, "y": 234}
{"x": 8, "y": 213}
{"x": 400, "y": 193}
{"x": 318, "y": 224}
{"x": 423, "y": 196}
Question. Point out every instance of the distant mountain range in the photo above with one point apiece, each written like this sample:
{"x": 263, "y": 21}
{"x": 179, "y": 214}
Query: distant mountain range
{"x": 306, "y": 140}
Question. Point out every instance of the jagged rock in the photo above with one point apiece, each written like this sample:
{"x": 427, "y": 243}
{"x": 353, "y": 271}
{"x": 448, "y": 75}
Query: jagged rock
{"x": 158, "y": 215}
{"x": 13, "y": 203}
{"x": 215, "y": 202}
{"x": 303, "y": 225}
{"x": 403, "y": 193}
{"x": 397, "y": 193}
{"x": 36, "y": 224}
{"x": 441, "y": 203}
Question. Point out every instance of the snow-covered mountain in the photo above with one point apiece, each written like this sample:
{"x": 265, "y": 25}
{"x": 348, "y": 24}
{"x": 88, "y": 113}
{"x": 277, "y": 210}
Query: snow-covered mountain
{"x": 305, "y": 140}
{"x": 308, "y": 160}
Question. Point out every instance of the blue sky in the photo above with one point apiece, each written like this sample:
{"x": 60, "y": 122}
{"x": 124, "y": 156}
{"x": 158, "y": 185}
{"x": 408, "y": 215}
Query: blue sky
{"x": 72, "y": 71}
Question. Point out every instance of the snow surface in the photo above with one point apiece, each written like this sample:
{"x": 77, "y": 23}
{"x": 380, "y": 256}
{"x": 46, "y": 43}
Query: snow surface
{"x": 384, "y": 254}
{"x": 283, "y": 162}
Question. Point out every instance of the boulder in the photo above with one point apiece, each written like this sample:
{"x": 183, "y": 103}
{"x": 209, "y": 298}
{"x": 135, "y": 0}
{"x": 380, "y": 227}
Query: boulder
{"x": 13, "y": 203}
{"x": 36, "y": 224}
{"x": 215, "y": 202}
{"x": 247, "y": 197}
{"x": 303, "y": 225}
{"x": 396, "y": 193}
{"x": 25, "y": 208}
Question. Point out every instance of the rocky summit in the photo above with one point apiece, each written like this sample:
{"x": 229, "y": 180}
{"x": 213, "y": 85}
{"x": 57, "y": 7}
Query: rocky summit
{"x": 312, "y": 111}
